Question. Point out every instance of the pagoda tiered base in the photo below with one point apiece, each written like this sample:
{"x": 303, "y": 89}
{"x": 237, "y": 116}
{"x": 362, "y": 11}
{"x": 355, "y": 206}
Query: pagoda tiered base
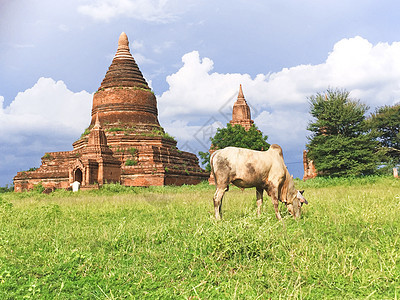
{"x": 144, "y": 161}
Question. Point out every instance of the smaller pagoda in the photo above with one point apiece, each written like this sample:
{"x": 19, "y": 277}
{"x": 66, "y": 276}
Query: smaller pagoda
{"x": 241, "y": 115}
{"x": 96, "y": 164}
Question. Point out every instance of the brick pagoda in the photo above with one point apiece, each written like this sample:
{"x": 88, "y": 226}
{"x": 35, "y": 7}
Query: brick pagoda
{"x": 124, "y": 142}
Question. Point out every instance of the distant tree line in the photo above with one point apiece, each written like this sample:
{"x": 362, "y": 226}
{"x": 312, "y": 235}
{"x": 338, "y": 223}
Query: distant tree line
{"x": 344, "y": 142}
{"x": 6, "y": 189}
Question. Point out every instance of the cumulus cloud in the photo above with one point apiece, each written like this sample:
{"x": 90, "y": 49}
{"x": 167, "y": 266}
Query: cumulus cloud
{"x": 160, "y": 11}
{"x": 47, "y": 106}
{"x": 370, "y": 72}
{"x": 279, "y": 100}
{"x": 46, "y": 117}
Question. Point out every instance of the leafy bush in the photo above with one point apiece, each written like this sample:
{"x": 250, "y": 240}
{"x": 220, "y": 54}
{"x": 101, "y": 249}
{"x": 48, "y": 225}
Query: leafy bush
{"x": 86, "y": 132}
{"x": 47, "y": 156}
{"x": 160, "y": 132}
{"x": 133, "y": 151}
{"x": 38, "y": 188}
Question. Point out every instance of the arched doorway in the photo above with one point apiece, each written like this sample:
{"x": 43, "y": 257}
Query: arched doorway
{"x": 78, "y": 175}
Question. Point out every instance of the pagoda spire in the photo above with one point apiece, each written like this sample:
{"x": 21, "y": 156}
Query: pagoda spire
{"x": 241, "y": 112}
{"x": 97, "y": 123}
{"x": 124, "y": 98}
{"x": 123, "y": 71}
{"x": 123, "y": 50}
{"x": 240, "y": 95}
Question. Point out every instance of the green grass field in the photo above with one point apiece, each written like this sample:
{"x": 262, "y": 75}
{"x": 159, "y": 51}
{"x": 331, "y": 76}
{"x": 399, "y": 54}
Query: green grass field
{"x": 163, "y": 242}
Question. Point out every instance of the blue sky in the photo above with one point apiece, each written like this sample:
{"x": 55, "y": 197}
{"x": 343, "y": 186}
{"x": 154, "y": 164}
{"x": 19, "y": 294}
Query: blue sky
{"x": 194, "y": 54}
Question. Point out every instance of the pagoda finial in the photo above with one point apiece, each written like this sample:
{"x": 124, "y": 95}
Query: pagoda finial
{"x": 240, "y": 95}
{"x": 123, "y": 41}
{"x": 97, "y": 123}
{"x": 123, "y": 50}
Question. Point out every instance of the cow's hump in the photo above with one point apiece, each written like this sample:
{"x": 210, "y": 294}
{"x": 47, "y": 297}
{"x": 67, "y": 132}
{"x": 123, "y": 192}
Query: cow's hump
{"x": 277, "y": 148}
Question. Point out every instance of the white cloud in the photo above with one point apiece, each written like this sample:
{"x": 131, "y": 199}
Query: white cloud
{"x": 46, "y": 117}
{"x": 194, "y": 89}
{"x": 292, "y": 123}
{"x": 370, "y": 72}
{"x": 160, "y": 11}
{"x": 47, "y": 106}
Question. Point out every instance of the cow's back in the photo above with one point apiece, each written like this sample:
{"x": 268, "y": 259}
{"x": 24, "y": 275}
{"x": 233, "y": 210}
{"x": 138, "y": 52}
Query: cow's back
{"x": 245, "y": 167}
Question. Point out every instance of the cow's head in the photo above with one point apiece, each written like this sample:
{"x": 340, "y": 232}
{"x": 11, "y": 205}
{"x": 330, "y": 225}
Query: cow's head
{"x": 294, "y": 206}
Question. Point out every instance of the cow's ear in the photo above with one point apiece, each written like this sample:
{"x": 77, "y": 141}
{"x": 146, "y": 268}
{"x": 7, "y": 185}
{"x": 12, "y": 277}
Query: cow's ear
{"x": 301, "y": 192}
{"x": 303, "y": 200}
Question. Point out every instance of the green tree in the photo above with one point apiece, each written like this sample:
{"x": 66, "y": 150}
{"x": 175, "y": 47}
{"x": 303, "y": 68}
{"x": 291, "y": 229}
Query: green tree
{"x": 385, "y": 125}
{"x": 235, "y": 136}
{"x": 340, "y": 143}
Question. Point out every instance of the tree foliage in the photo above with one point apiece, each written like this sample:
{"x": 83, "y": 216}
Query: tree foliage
{"x": 236, "y": 136}
{"x": 340, "y": 143}
{"x": 385, "y": 125}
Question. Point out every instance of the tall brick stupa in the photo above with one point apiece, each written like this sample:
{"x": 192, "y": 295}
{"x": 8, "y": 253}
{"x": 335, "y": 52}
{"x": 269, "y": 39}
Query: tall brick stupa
{"x": 124, "y": 142}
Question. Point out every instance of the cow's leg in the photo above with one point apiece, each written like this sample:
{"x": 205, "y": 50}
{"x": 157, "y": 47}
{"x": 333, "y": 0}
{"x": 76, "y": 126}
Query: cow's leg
{"x": 273, "y": 193}
{"x": 259, "y": 194}
{"x": 219, "y": 194}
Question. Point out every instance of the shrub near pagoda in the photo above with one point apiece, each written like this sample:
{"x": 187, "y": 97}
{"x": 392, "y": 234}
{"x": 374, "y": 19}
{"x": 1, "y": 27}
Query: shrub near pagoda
{"x": 340, "y": 144}
{"x": 236, "y": 136}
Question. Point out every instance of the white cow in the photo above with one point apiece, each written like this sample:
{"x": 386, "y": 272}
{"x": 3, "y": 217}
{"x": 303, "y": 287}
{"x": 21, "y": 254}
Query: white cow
{"x": 264, "y": 170}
